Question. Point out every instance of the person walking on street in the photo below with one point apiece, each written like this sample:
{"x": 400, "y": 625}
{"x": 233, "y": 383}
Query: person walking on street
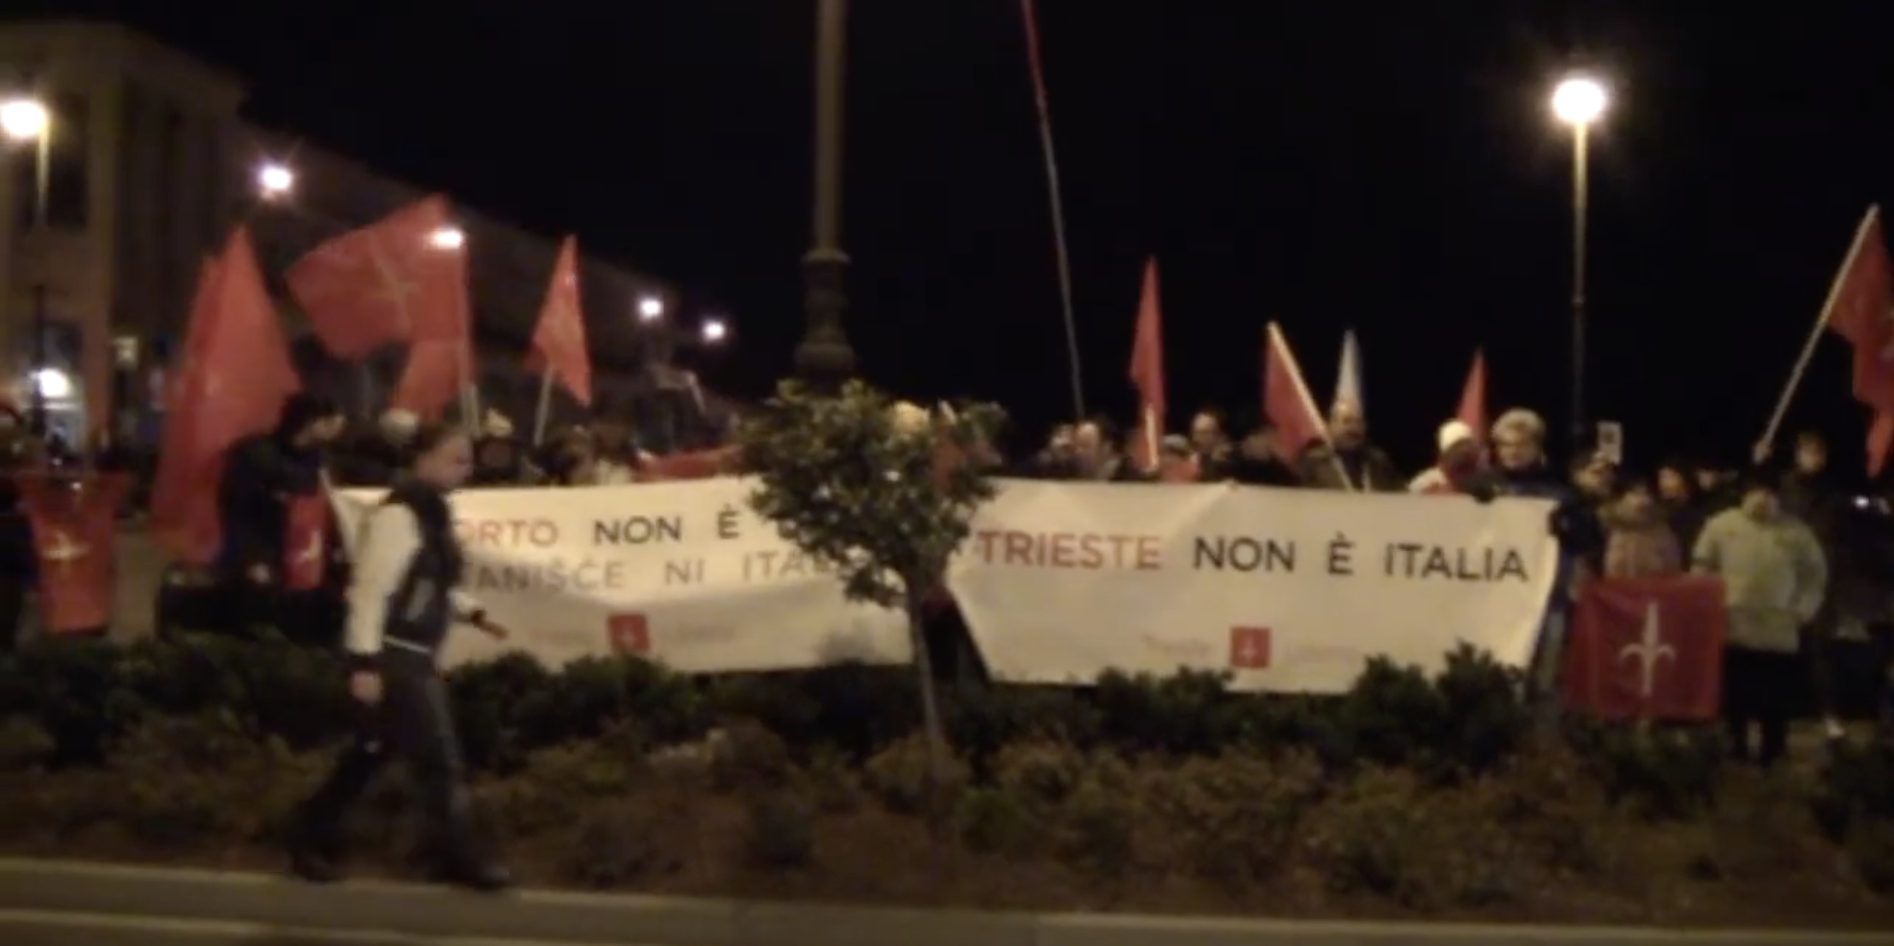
{"x": 402, "y": 602}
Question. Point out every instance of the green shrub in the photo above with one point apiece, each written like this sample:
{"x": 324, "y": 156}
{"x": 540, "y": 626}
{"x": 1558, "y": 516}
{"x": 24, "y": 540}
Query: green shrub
{"x": 1388, "y": 834}
{"x": 995, "y": 821}
{"x": 749, "y": 758}
{"x": 1235, "y": 818}
{"x": 558, "y": 785}
{"x": 614, "y": 843}
{"x": 779, "y": 829}
{"x": 188, "y": 782}
{"x": 898, "y": 777}
{"x": 1178, "y": 715}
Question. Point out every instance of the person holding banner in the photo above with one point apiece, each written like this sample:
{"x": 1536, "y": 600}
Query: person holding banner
{"x": 403, "y": 600}
{"x": 263, "y": 476}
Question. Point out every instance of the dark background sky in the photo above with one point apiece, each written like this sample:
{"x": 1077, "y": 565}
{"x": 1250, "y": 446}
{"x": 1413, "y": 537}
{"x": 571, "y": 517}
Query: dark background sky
{"x": 1391, "y": 167}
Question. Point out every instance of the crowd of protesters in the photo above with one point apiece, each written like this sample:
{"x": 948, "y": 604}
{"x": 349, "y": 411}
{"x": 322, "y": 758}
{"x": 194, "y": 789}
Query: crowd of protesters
{"x": 1802, "y": 570}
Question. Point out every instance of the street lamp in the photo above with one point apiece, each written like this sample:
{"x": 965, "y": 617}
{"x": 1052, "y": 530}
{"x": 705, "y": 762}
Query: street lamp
{"x": 275, "y": 180}
{"x": 715, "y": 331}
{"x": 824, "y": 359}
{"x": 1579, "y": 101}
{"x": 447, "y": 238}
{"x": 22, "y": 120}
{"x": 650, "y": 309}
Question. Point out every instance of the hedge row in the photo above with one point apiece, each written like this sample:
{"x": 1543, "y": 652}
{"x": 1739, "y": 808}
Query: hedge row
{"x": 67, "y": 702}
{"x": 1428, "y": 793}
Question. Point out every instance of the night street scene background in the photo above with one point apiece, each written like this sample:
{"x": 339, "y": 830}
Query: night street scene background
{"x": 453, "y": 390}
{"x": 1394, "y": 168}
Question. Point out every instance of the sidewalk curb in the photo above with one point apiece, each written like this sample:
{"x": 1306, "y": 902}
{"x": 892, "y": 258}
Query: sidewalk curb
{"x": 365, "y": 908}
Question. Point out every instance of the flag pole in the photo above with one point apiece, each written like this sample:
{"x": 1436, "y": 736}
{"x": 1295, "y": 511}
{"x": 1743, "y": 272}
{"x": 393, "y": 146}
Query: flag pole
{"x": 1308, "y": 403}
{"x": 545, "y": 406}
{"x": 1061, "y": 254}
{"x": 1821, "y": 322}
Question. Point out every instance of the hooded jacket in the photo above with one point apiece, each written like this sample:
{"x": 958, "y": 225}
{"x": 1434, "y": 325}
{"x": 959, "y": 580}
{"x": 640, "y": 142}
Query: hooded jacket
{"x": 260, "y": 474}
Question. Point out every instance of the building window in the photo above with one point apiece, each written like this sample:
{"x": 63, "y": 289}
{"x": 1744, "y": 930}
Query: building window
{"x": 68, "y": 183}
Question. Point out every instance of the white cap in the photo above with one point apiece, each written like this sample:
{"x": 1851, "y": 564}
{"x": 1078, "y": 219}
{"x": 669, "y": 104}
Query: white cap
{"x": 1452, "y": 433}
{"x": 398, "y": 424}
{"x": 496, "y": 424}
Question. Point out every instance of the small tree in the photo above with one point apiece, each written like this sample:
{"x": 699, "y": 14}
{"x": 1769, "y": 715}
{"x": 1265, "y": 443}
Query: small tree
{"x": 878, "y": 492}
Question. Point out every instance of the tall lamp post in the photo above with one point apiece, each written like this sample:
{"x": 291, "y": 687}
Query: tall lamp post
{"x": 23, "y": 120}
{"x": 1579, "y": 101}
{"x": 824, "y": 359}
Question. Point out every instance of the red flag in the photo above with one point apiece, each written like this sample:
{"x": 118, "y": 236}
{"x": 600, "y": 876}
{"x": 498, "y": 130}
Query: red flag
{"x": 1861, "y": 309}
{"x": 235, "y": 375}
{"x": 559, "y": 341}
{"x": 698, "y": 465}
{"x": 74, "y": 523}
{"x": 305, "y": 541}
{"x": 1147, "y": 372}
{"x": 436, "y": 373}
{"x": 1648, "y": 648}
{"x": 1472, "y": 410}
{"x": 392, "y": 280}
{"x": 1286, "y": 400}
{"x": 1880, "y": 437}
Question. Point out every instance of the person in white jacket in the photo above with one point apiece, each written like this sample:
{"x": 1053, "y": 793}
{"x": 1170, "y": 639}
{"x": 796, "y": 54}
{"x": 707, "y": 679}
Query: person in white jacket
{"x": 403, "y": 600}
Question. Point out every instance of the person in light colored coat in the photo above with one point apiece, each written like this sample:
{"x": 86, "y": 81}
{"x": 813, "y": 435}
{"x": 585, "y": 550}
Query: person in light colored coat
{"x": 1774, "y": 576}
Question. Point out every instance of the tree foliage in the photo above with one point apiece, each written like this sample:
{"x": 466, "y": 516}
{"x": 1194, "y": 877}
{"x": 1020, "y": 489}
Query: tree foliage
{"x": 878, "y": 491}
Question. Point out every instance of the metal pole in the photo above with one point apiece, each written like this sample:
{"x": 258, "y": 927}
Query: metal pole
{"x": 1581, "y": 198}
{"x": 42, "y": 180}
{"x": 824, "y": 359}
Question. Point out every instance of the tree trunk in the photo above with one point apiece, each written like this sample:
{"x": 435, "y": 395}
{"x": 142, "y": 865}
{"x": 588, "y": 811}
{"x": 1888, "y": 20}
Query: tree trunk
{"x": 930, "y": 701}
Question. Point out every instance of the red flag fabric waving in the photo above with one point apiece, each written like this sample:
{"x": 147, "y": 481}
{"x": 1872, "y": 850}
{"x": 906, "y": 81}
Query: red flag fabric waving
{"x": 74, "y": 523}
{"x": 1286, "y": 400}
{"x": 386, "y": 282}
{"x": 305, "y": 541}
{"x": 1472, "y": 410}
{"x": 1861, "y": 310}
{"x": 1648, "y": 648}
{"x": 435, "y": 374}
{"x": 235, "y": 375}
{"x": 559, "y": 341}
{"x": 1147, "y": 372}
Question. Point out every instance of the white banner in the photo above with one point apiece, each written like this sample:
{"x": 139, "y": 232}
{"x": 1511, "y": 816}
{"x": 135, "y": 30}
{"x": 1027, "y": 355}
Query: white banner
{"x": 682, "y": 572}
{"x": 1290, "y": 590}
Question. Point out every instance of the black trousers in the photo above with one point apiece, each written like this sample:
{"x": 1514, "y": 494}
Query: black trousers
{"x": 413, "y": 722}
{"x": 1756, "y": 691}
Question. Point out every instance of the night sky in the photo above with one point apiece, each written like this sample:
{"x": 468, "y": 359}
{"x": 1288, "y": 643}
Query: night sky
{"x": 1390, "y": 167}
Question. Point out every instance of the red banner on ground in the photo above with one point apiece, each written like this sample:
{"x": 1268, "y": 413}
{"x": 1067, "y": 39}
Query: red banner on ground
{"x": 1648, "y": 648}
{"x": 74, "y": 522}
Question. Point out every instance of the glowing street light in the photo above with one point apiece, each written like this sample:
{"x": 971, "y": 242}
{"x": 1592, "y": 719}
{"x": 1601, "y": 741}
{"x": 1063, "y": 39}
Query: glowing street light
{"x": 1580, "y": 100}
{"x": 52, "y": 384}
{"x": 275, "y": 180}
{"x": 24, "y": 119}
{"x": 715, "y": 331}
{"x": 447, "y": 238}
{"x": 650, "y": 309}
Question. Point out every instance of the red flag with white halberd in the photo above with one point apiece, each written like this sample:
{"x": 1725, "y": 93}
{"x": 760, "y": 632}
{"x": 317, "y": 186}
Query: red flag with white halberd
{"x": 235, "y": 375}
{"x": 75, "y": 525}
{"x": 559, "y": 344}
{"x": 1147, "y": 373}
{"x": 1648, "y": 648}
{"x": 305, "y": 540}
{"x": 391, "y": 281}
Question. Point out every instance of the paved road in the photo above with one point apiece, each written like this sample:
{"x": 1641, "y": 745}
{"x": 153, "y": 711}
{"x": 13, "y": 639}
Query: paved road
{"x": 63, "y": 904}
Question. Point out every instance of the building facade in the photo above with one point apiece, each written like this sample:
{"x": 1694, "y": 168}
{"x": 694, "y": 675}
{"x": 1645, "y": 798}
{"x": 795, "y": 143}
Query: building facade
{"x": 150, "y": 166}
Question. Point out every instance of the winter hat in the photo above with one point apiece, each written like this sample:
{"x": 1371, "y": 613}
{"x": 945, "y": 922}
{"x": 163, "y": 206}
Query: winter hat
{"x": 1452, "y": 434}
{"x": 496, "y": 424}
{"x": 397, "y": 424}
